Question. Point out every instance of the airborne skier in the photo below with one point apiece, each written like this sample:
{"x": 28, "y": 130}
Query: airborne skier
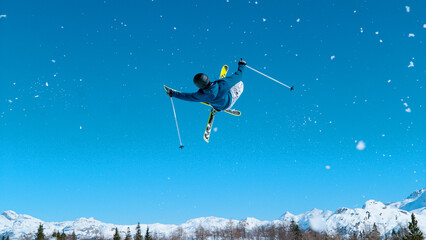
{"x": 220, "y": 94}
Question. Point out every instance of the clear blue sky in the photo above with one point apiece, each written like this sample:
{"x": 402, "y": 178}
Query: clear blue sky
{"x": 87, "y": 130}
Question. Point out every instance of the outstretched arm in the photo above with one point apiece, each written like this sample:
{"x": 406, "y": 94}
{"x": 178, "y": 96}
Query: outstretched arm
{"x": 192, "y": 97}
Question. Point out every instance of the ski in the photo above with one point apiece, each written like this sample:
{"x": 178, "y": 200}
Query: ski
{"x": 209, "y": 126}
{"x": 233, "y": 112}
{"x": 224, "y": 71}
{"x": 230, "y": 111}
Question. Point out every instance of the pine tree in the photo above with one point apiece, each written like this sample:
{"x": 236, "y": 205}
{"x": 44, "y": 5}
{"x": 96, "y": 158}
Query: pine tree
{"x": 116, "y": 235}
{"x": 57, "y": 235}
{"x": 414, "y": 232}
{"x": 147, "y": 236}
{"x": 128, "y": 235}
{"x": 40, "y": 234}
{"x": 295, "y": 230}
{"x": 73, "y": 236}
{"x": 138, "y": 235}
{"x": 63, "y": 235}
{"x": 3, "y": 237}
{"x": 7, "y": 238}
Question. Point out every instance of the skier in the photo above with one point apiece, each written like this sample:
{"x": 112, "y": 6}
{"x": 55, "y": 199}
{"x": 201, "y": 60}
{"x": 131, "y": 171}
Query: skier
{"x": 220, "y": 94}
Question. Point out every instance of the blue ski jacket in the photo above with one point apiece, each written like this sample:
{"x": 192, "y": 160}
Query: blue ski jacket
{"x": 218, "y": 94}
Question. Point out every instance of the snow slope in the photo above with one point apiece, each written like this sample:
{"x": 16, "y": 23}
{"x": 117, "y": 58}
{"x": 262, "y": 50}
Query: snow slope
{"x": 387, "y": 217}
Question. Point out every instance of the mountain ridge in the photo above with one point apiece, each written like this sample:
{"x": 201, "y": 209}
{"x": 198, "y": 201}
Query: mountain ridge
{"x": 386, "y": 216}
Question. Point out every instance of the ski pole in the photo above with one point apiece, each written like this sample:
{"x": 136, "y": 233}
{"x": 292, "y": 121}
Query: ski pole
{"x": 273, "y": 79}
{"x": 177, "y": 127}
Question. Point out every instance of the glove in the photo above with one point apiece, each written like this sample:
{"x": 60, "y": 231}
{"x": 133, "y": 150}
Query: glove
{"x": 169, "y": 92}
{"x": 242, "y": 62}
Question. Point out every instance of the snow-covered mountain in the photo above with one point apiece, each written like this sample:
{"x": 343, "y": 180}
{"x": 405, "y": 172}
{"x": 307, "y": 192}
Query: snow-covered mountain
{"x": 387, "y": 216}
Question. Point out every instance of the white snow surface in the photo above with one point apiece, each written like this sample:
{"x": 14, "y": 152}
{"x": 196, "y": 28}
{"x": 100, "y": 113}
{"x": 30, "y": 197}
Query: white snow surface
{"x": 387, "y": 216}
